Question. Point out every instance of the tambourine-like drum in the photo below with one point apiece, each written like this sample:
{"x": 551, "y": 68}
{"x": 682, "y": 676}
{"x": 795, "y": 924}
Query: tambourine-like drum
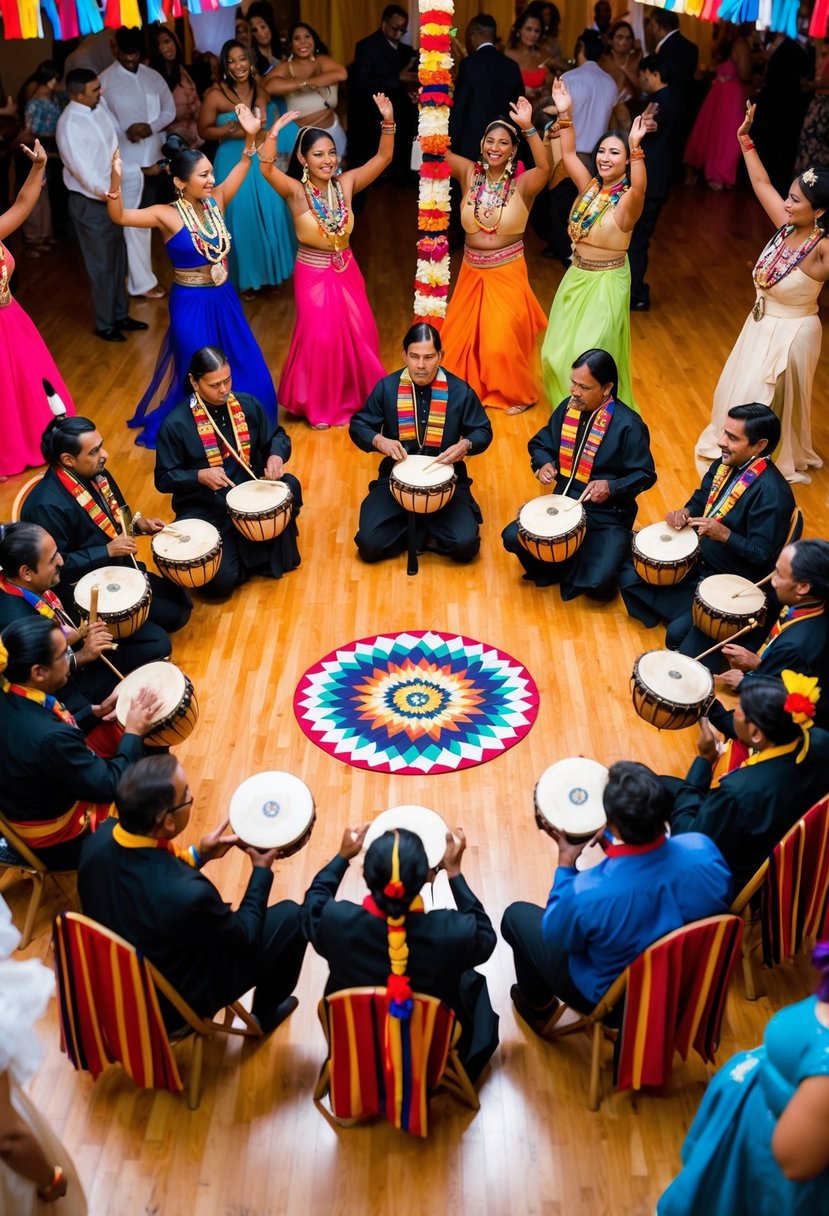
{"x": 568, "y": 796}
{"x": 718, "y": 613}
{"x": 273, "y": 810}
{"x": 663, "y": 555}
{"x": 124, "y": 598}
{"x": 421, "y": 488}
{"x": 188, "y": 552}
{"x": 552, "y": 527}
{"x": 425, "y": 823}
{"x": 670, "y": 690}
{"x": 179, "y": 711}
{"x": 260, "y": 510}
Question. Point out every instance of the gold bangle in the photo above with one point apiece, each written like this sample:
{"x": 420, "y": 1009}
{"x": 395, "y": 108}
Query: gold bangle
{"x": 564, "y": 122}
{"x": 268, "y": 160}
{"x": 637, "y": 154}
{"x": 113, "y": 193}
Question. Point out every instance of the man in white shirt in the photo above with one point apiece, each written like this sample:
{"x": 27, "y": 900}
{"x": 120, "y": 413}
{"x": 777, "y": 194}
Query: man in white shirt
{"x": 87, "y": 139}
{"x": 594, "y": 94}
{"x": 143, "y": 107}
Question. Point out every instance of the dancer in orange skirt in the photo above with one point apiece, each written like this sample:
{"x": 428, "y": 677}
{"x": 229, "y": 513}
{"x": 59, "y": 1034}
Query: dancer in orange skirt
{"x": 493, "y": 317}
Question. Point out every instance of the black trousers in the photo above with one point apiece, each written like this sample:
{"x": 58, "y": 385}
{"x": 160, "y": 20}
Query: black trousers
{"x": 541, "y": 967}
{"x": 640, "y": 292}
{"x": 384, "y": 526}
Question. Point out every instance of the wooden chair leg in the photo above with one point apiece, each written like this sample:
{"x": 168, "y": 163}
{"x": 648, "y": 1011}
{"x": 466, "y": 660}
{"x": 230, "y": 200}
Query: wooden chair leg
{"x": 323, "y": 1083}
{"x": 749, "y": 977}
{"x": 595, "y": 1061}
{"x": 194, "y": 1093}
{"x": 38, "y": 883}
{"x": 456, "y": 1080}
{"x": 252, "y": 1026}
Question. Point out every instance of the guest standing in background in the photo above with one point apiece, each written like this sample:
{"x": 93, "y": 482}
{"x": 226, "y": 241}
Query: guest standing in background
{"x": 264, "y": 37}
{"x": 524, "y": 49}
{"x": 383, "y": 63}
{"x": 167, "y": 58}
{"x": 307, "y": 82}
{"x": 488, "y": 83}
{"x": 621, "y": 62}
{"x": 712, "y": 147}
{"x": 42, "y": 111}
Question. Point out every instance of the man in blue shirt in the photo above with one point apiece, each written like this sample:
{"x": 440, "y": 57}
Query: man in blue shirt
{"x": 597, "y": 921}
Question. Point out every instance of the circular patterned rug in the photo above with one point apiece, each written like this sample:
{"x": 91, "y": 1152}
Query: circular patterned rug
{"x": 417, "y": 702}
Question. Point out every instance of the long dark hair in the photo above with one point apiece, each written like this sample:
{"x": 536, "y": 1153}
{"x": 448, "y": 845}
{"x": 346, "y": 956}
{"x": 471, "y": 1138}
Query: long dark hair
{"x": 264, "y": 12}
{"x": 319, "y": 46}
{"x": 233, "y": 44}
{"x": 170, "y": 69}
{"x": 181, "y": 158}
{"x": 28, "y": 644}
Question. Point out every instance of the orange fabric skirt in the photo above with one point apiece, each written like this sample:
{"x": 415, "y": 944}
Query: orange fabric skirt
{"x": 489, "y": 335}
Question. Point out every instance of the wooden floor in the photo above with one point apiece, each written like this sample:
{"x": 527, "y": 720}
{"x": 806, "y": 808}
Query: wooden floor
{"x": 257, "y": 1146}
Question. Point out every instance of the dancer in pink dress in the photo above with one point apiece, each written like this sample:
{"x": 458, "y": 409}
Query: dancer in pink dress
{"x": 334, "y": 359}
{"x": 711, "y": 147}
{"x": 30, "y": 371}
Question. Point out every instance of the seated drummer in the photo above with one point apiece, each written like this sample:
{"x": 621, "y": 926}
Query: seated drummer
{"x": 55, "y": 789}
{"x": 593, "y": 446}
{"x": 137, "y": 881}
{"x": 786, "y": 771}
{"x": 742, "y": 513}
{"x": 799, "y": 638}
{"x": 198, "y": 467}
{"x": 82, "y": 507}
{"x": 442, "y": 947}
{"x": 421, "y": 410}
{"x": 598, "y": 920}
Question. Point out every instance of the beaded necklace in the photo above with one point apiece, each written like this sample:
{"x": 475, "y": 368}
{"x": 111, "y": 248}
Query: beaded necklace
{"x": 209, "y": 234}
{"x": 488, "y": 199}
{"x": 778, "y": 259}
{"x": 330, "y": 211}
{"x": 592, "y": 206}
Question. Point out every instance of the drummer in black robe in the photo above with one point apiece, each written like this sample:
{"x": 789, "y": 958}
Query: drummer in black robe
{"x": 79, "y": 503}
{"x": 56, "y": 786}
{"x": 742, "y": 513}
{"x": 421, "y": 409}
{"x": 596, "y": 448}
{"x": 198, "y": 467}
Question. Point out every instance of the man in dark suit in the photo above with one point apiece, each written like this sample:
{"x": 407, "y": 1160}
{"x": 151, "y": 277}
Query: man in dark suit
{"x": 660, "y": 152}
{"x": 781, "y": 108}
{"x": 134, "y": 880}
{"x": 487, "y": 83}
{"x": 383, "y": 63}
{"x": 678, "y": 53}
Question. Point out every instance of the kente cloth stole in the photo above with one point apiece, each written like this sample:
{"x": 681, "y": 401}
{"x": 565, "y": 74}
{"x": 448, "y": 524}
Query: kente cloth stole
{"x": 131, "y": 840}
{"x": 407, "y": 425}
{"x": 47, "y": 605}
{"x": 99, "y": 517}
{"x": 211, "y": 437}
{"x": 587, "y": 455}
{"x": 50, "y": 704}
{"x": 716, "y": 510}
{"x": 790, "y": 616}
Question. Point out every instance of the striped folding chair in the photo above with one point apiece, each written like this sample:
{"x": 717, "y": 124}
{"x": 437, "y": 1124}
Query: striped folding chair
{"x": 109, "y": 1009}
{"x": 382, "y": 1066}
{"x": 16, "y": 855}
{"x": 674, "y": 1000}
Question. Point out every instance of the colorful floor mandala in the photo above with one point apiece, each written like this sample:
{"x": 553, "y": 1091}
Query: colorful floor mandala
{"x": 418, "y": 702}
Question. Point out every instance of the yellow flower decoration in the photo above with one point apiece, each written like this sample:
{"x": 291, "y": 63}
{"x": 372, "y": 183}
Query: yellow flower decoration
{"x": 804, "y": 694}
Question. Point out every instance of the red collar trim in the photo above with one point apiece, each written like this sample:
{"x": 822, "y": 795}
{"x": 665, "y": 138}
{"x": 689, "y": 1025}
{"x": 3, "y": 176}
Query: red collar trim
{"x": 634, "y": 850}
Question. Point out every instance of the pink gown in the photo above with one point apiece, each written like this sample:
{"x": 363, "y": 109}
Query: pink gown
{"x": 26, "y": 362}
{"x": 713, "y": 147}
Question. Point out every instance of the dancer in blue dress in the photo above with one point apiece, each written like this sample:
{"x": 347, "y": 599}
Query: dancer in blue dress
{"x": 204, "y": 306}
{"x": 759, "y": 1145}
{"x": 264, "y": 244}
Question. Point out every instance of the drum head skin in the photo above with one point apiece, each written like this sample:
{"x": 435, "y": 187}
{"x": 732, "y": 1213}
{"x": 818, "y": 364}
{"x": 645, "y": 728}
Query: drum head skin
{"x": 254, "y": 497}
{"x": 569, "y": 795}
{"x": 675, "y": 678}
{"x": 187, "y": 539}
{"x": 718, "y": 590}
{"x": 425, "y": 823}
{"x": 414, "y": 471}
{"x": 550, "y": 515}
{"x": 662, "y": 543}
{"x": 120, "y": 589}
{"x": 271, "y": 810}
{"x": 165, "y": 679}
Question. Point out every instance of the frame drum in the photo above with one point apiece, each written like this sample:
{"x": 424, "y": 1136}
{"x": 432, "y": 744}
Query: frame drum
{"x": 179, "y": 710}
{"x": 188, "y": 553}
{"x": 670, "y": 690}
{"x": 552, "y": 527}
{"x": 663, "y": 555}
{"x": 421, "y": 489}
{"x": 718, "y": 614}
{"x": 124, "y": 598}
{"x": 273, "y": 810}
{"x": 260, "y": 510}
{"x": 425, "y": 823}
{"x": 568, "y": 796}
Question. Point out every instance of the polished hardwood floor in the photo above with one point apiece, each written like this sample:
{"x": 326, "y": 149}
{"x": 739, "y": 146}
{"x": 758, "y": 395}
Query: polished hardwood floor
{"x": 257, "y": 1146}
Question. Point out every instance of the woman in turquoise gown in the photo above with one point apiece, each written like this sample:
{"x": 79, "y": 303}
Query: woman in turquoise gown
{"x": 759, "y": 1145}
{"x": 204, "y": 307}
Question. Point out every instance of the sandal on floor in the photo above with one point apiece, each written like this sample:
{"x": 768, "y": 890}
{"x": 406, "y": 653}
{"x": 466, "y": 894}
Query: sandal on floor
{"x": 155, "y": 293}
{"x": 519, "y": 409}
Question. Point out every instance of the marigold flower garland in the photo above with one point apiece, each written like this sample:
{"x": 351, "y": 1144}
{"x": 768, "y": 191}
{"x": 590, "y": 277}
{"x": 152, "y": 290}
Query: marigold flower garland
{"x": 434, "y": 99}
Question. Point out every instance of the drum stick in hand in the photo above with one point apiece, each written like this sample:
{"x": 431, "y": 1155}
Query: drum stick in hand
{"x": 745, "y": 590}
{"x": 93, "y": 603}
{"x": 574, "y": 502}
{"x": 752, "y": 624}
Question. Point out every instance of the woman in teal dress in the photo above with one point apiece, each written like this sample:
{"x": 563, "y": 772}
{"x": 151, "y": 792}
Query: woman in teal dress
{"x": 264, "y": 244}
{"x": 759, "y": 1145}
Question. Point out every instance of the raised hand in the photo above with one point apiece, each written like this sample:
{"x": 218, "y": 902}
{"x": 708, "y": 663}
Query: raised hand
{"x": 36, "y": 155}
{"x": 745, "y": 125}
{"x": 283, "y": 121}
{"x": 563, "y": 100}
{"x": 455, "y": 846}
{"x": 639, "y": 130}
{"x": 384, "y": 106}
{"x": 116, "y": 166}
{"x": 249, "y": 120}
{"x": 352, "y": 841}
{"x": 521, "y": 112}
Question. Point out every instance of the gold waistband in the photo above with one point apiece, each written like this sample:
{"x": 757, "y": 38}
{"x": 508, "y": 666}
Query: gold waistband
{"x": 194, "y": 278}
{"x": 588, "y": 264}
{"x": 338, "y": 258}
{"x": 490, "y": 259}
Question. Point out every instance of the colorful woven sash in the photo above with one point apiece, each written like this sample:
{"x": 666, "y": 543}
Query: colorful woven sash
{"x": 407, "y": 424}
{"x": 777, "y": 260}
{"x": 715, "y": 509}
{"x": 788, "y": 617}
{"x": 82, "y": 816}
{"x": 47, "y": 605}
{"x": 50, "y": 704}
{"x": 107, "y": 523}
{"x": 132, "y": 840}
{"x": 210, "y": 435}
{"x": 596, "y": 431}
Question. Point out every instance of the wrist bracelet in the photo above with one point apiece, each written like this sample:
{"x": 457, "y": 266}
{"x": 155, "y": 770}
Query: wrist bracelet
{"x": 637, "y": 154}
{"x": 250, "y": 152}
{"x": 528, "y": 131}
{"x": 565, "y": 122}
{"x": 113, "y": 193}
{"x": 268, "y": 160}
{"x": 746, "y": 143}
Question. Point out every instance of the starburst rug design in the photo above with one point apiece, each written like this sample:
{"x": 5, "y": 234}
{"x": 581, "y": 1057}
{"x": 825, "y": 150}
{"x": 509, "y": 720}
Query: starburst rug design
{"x": 416, "y": 702}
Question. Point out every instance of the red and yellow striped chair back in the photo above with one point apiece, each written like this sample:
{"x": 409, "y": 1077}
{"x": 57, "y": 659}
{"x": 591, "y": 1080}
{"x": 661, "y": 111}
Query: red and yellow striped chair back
{"x": 794, "y": 897}
{"x": 108, "y": 1005}
{"x": 382, "y": 1065}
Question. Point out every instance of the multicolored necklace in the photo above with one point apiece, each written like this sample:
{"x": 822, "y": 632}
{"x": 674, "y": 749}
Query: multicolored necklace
{"x": 209, "y": 234}
{"x": 488, "y": 200}
{"x": 777, "y": 260}
{"x": 592, "y": 206}
{"x": 330, "y": 212}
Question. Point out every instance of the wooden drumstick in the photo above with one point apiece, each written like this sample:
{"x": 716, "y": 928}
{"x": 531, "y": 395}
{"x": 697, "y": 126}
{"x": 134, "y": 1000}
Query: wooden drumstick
{"x": 746, "y": 590}
{"x": 574, "y": 502}
{"x": 229, "y": 447}
{"x": 432, "y": 465}
{"x": 93, "y": 603}
{"x": 752, "y": 624}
